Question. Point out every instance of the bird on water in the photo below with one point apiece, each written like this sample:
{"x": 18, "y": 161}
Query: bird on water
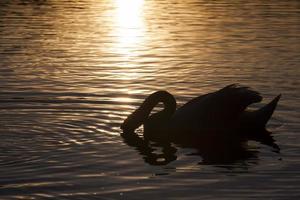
{"x": 223, "y": 112}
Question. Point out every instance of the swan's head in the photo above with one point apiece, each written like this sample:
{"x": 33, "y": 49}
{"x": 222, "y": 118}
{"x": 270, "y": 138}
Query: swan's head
{"x": 133, "y": 121}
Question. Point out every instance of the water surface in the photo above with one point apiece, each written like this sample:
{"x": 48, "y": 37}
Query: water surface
{"x": 71, "y": 71}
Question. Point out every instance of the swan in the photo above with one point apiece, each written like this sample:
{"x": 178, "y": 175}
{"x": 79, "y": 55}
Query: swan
{"x": 220, "y": 112}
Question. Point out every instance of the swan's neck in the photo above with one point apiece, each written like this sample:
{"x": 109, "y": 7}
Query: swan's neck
{"x": 139, "y": 116}
{"x": 160, "y": 96}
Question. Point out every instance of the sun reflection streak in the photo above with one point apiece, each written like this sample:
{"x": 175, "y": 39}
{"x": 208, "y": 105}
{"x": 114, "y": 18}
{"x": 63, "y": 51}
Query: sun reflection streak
{"x": 130, "y": 28}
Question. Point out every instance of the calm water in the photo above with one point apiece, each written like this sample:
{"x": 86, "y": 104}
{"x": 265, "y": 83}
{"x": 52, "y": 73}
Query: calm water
{"x": 71, "y": 71}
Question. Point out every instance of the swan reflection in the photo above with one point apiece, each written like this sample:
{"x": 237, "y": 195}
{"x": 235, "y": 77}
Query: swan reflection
{"x": 212, "y": 150}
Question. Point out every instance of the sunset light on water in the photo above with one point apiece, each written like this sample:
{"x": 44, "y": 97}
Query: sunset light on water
{"x": 74, "y": 74}
{"x": 129, "y": 25}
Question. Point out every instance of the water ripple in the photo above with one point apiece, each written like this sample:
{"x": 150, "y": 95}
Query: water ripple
{"x": 71, "y": 71}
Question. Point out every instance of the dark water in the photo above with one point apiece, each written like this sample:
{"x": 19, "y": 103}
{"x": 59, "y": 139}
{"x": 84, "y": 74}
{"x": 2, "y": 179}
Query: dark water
{"x": 71, "y": 71}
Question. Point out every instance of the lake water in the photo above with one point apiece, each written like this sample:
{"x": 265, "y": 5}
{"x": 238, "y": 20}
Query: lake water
{"x": 71, "y": 71}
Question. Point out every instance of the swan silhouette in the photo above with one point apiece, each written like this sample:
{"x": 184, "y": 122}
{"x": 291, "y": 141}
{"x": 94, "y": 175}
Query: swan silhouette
{"x": 216, "y": 113}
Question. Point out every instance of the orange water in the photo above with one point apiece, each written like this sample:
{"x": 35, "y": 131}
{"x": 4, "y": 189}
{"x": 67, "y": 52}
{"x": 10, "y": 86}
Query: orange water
{"x": 71, "y": 71}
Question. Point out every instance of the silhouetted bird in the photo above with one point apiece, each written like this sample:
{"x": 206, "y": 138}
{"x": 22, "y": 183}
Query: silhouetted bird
{"x": 220, "y": 112}
{"x": 215, "y": 124}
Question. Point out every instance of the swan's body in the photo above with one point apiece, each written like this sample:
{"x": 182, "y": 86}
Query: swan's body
{"x": 223, "y": 111}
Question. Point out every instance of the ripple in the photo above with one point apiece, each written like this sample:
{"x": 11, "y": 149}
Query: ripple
{"x": 71, "y": 72}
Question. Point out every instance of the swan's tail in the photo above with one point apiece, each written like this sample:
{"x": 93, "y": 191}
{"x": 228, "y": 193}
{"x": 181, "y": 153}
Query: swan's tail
{"x": 263, "y": 115}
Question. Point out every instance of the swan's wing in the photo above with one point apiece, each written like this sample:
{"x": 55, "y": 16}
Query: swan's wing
{"x": 217, "y": 108}
{"x": 230, "y": 102}
{"x": 236, "y": 98}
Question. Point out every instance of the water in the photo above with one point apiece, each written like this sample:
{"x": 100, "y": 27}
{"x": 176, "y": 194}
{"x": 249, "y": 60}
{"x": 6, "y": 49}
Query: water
{"x": 71, "y": 71}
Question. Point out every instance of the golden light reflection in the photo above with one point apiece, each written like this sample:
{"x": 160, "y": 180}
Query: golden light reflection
{"x": 130, "y": 28}
{"x": 123, "y": 99}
